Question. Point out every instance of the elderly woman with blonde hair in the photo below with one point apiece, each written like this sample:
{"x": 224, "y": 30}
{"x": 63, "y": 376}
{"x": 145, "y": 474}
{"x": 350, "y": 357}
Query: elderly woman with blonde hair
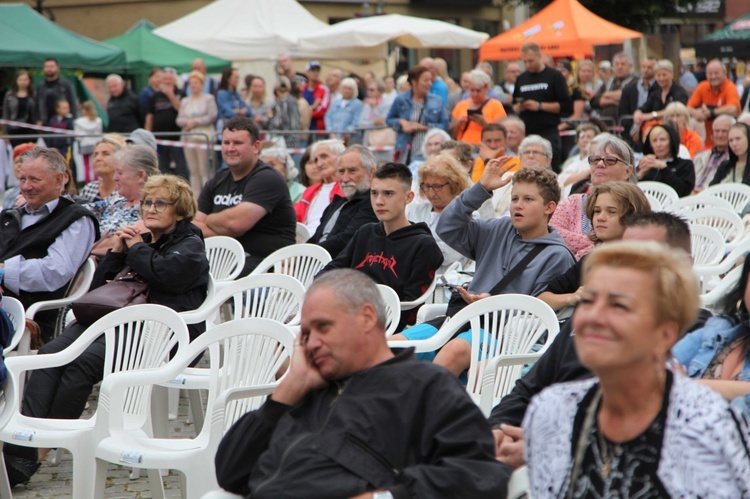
{"x": 637, "y": 428}
{"x": 441, "y": 180}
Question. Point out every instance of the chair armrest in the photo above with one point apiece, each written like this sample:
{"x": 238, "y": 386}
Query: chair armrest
{"x": 431, "y": 311}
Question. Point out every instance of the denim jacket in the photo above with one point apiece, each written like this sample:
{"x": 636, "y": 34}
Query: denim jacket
{"x": 434, "y": 116}
{"x": 343, "y": 115}
{"x": 696, "y": 350}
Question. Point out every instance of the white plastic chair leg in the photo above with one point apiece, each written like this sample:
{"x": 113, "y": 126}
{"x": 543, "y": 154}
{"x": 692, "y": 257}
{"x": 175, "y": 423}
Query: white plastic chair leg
{"x": 174, "y": 403}
{"x": 196, "y": 409}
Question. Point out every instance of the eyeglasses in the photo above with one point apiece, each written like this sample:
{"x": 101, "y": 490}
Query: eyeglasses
{"x": 435, "y": 187}
{"x": 160, "y": 206}
{"x": 608, "y": 160}
{"x": 530, "y": 154}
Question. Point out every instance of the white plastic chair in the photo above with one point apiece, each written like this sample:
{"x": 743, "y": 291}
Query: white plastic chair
{"x": 393, "y": 308}
{"x": 712, "y": 299}
{"x": 737, "y": 195}
{"x": 267, "y": 296}
{"x": 17, "y": 315}
{"x": 664, "y": 194}
{"x": 511, "y": 324}
{"x": 727, "y": 222}
{"x": 78, "y": 287}
{"x": 302, "y": 233}
{"x": 408, "y": 305}
{"x": 707, "y": 244}
{"x": 226, "y": 258}
{"x": 143, "y": 335}
{"x": 689, "y": 204}
{"x": 301, "y": 261}
{"x": 518, "y": 485}
{"x": 254, "y": 350}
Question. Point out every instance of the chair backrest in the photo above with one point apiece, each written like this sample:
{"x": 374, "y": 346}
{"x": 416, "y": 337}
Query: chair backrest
{"x": 727, "y": 222}
{"x": 408, "y": 305}
{"x": 712, "y": 299}
{"x": 17, "y": 314}
{"x": 138, "y": 337}
{"x": 242, "y": 353}
{"x": 518, "y": 485}
{"x": 707, "y": 244}
{"x": 302, "y": 233}
{"x": 738, "y": 195}
{"x": 692, "y": 203}
{"x": 268, "y": 296}
{"x": 301, "y": 261}
{"x": 664, "y": 194}
{"x": 507, "y": 324}
{"x": 393, "y": 308}
{"x": 226, "y": 258}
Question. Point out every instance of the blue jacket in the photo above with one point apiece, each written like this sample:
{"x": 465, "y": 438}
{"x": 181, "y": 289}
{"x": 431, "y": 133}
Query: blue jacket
{"x": 227, "y": 101}
{"x": 696, "y": 350}
{"x": 440, "y": 89}
{"x": 434, "y": 116}
{"x": 346, "y": 117}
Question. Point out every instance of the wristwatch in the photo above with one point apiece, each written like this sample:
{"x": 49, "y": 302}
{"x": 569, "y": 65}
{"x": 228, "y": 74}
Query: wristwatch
{"x": 382, "y": 494}
{"x": 540, "y": 106}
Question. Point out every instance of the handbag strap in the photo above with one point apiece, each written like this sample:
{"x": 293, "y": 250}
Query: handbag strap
{"x": 588, "y": 423}
{"x": 516, "y": 271}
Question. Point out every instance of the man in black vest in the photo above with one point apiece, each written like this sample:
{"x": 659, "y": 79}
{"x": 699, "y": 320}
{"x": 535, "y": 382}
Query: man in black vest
{"x": 44, "y": 242}
{"x": 347, "y": 213}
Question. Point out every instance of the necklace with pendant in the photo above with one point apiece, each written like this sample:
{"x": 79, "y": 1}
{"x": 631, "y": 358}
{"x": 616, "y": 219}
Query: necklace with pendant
{"x": 608, "y": 453}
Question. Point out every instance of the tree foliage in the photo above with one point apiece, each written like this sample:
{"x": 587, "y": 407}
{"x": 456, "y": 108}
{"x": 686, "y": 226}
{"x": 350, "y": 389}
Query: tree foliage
{"x": 639, "y": 15}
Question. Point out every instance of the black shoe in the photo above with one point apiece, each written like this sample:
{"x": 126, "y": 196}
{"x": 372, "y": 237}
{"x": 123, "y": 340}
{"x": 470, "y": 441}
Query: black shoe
{"x": 20, "y": 469}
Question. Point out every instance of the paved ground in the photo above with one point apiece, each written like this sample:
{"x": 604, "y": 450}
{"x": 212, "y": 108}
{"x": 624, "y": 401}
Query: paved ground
{"x": 54, "y": 481}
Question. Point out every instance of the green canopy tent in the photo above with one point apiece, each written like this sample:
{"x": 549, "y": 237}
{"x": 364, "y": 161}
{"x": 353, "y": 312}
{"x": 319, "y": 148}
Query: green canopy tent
{"x": 27, "y": 38}
{"x": 732, "y": 41}
{"x": 145, "y": 50}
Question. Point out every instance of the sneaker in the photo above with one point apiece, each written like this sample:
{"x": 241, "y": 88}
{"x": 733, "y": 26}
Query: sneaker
{"x": 20, "y": 469}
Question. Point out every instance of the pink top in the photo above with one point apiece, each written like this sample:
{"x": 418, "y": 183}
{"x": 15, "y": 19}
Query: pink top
{"x": 567, "y": 221}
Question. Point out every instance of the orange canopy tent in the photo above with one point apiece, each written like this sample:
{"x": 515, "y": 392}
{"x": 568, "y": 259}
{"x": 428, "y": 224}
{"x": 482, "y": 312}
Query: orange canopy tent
{"x": 564, "y": 28}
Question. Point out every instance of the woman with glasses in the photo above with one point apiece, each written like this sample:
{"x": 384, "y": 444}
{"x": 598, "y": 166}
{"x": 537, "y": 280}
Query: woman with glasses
{"x": 610, "y": 159}
{"x": 660, "y": 161}
{"x": 160, "y": 258}
{"x": 441, "y": 179}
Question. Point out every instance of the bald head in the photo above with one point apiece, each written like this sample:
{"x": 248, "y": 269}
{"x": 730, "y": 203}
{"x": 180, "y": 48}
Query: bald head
{"x": 429, "y": 63}
{"x": 716, "y": 74}
{"x": 199, "y": 65}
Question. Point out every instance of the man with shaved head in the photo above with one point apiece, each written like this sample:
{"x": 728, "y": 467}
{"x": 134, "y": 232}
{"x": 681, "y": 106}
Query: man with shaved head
{"x": 712, "y": 97}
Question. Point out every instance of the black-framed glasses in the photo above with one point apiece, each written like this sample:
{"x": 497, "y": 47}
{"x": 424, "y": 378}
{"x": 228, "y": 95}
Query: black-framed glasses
{"x": 435, "y": 187}
{"x": 608, "y": 160}
{"x": 158, "y": 205}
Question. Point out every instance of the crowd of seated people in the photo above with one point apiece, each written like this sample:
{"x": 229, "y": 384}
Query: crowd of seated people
{"x": 463, "y": 185}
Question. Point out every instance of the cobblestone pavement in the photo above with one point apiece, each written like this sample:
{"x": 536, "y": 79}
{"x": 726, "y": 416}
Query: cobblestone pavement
{"x": 54, "y": 481}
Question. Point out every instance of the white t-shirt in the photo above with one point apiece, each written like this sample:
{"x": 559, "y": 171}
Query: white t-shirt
{"x": 319, "y": 203}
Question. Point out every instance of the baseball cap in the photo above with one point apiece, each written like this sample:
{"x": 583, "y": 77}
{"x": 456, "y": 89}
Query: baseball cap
{"x": 142, "y": 137}
{"x": 312, "y": 66}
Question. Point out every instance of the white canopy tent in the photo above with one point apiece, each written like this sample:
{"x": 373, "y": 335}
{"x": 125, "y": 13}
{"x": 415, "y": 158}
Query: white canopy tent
{"x": 253, "y": 35}
{"x": 377, "y": 31}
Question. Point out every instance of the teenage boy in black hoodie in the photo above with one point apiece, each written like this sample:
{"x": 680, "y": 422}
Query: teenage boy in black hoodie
{"x": 393, "y": 251}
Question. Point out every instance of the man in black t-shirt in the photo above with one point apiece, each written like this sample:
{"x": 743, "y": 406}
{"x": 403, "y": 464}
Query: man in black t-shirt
{"x": 249, "y": 200}
{"x": 541, "y": 96}
{"x": 162, "y": 117}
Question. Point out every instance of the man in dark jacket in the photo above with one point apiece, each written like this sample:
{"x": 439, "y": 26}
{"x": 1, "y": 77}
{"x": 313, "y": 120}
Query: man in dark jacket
{"x": 123, "y": 108}
{"x": 44, "y": 242}
{"x": 394, "y": 252}
{"x": 347, "y": 213}
{"x": 343, "y": 423}
{"x": 53, "y": 89}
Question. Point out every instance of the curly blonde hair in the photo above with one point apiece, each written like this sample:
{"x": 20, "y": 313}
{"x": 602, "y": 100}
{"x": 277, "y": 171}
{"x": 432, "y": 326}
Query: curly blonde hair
{"x": 446, "y": 166}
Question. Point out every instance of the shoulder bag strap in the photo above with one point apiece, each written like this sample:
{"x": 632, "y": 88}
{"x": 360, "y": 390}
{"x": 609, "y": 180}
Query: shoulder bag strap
{"x": 516, "y": 271}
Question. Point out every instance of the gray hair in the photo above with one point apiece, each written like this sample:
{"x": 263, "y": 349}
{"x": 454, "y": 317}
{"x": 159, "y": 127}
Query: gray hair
{"x": 619, "y": 147}
{"x": 516, "y": 120}
{"x": 379, "y": 83}
{"x": 336, "y": 146}
{"x": 51, "y": 157}
{"x": 114, "y": 77}
{"x": 280, "y": 154}
{"x": 428, "y": 136}
{"x": 366, "y": 157}
{"x": 664, "y": 64}
{"x": 353, "y": 289}
{"x": 486, "y": 65}
{"x": 623, "y": 55}
{"x": 725, "y": 117}
{"x": 138, "y": 158}
{"x": 350, "y": 83}
{"x": 479, "y": 77}
{"x": 535, "y": 140}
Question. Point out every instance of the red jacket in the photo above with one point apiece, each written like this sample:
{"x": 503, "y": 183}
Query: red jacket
{"x": 303, "y": 204}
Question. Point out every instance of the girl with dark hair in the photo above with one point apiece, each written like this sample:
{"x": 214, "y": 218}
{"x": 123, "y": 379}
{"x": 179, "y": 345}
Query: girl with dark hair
{"x": 19, "y": 105}
{"x": 734, "y": 169}
{"x": 228, "y": 99}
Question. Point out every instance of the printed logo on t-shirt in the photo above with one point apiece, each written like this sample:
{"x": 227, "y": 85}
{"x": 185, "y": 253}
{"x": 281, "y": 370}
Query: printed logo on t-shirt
{"x": 227, "y": 200}
{"x": 372, "y": 259}
{"x": 534, "y": 87}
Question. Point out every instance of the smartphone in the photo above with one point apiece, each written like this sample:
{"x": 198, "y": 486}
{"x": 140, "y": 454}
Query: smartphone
{"x": 471, "y": 112}
{"x": 446, "y": 284}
